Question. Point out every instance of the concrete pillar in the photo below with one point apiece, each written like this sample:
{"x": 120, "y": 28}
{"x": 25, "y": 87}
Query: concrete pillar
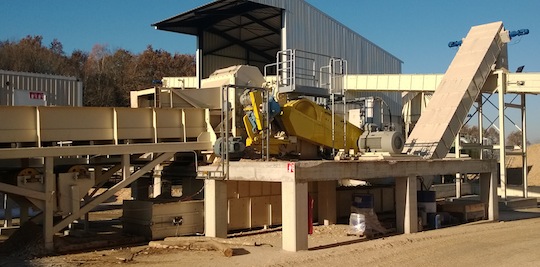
{"x": 215, "y": 208}
{"x": 157, "y": 185}
{"x": 24, "y": 216}
{"x": 457, "y": 148}
{"x": 126, "y": 166}
{"x": 406, "y": 205}
{"x": 459, "y": 181}
{"x": 8, "y": 209}
{"x": 327, "y": 202}
{"x": 294, "y": 197}
{"x": 488, "y": 194}
{"x": 48, "y": 212}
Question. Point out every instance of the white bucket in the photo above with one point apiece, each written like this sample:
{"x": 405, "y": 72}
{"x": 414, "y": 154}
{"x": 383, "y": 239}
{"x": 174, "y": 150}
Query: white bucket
{"x": 357, "y": 223}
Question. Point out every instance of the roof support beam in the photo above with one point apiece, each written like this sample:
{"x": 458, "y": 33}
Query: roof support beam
{"x": 262, "y": 23}
{"x": 246, "y": 41}
{"x": 241, "y": 44}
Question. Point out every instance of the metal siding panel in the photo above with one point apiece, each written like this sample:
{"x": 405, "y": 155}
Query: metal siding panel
{"x": 60, "y": 90}
{"x": 309, "y": 29}
{"x": 213, "y": 62}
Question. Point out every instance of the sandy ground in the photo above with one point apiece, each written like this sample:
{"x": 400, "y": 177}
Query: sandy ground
{"x": 510, "y": 242}
{"x": 533, "y": 161}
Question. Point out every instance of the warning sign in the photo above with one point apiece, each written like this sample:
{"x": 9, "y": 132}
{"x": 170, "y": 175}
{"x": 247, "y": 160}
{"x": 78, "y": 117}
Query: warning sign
{"x": 290, "y": 167}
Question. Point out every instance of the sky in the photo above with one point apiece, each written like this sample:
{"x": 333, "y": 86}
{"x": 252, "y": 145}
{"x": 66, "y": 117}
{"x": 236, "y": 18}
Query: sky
{"x": 416, "y": 31}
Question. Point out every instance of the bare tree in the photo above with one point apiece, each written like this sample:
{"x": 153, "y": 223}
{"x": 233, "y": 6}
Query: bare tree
{"x": 515, "y": 138}
{"x": 472, "y": 134}
{"x": 107, "y": 76}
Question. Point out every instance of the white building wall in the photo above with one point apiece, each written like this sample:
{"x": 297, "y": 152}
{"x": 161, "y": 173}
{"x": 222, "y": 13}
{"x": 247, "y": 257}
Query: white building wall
{"x": 58, "y": 90}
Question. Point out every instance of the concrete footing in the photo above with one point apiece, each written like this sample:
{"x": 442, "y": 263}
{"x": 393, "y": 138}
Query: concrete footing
{"x": 513, "y": 203}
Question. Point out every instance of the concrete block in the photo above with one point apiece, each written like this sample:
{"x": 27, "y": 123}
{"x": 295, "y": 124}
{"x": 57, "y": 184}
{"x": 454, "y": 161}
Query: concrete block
{"x": 232, "y": 189}
{"x": 275, "y": 210}
{"x": 266, "y": 188}
{"x": 255, "y": 189}
{"x": 260, "y": 211}
{"x": 276, "y": 188}
{"x": 243, "y": 189}
{"x": 239, "y": 213}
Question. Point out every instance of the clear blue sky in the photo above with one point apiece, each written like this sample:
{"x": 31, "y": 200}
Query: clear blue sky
{"x": 416, "y": 31}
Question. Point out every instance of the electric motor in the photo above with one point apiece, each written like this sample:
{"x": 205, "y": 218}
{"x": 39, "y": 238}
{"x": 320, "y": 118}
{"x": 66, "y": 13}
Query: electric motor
{"x": 383, "y": 141}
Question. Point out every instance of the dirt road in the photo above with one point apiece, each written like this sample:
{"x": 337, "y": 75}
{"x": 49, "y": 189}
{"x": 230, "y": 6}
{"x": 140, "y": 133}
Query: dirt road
{"x": 505, "y": 243}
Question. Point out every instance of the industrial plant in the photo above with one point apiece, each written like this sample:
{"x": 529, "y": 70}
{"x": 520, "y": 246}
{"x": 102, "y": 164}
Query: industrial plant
{"x": 292, "y": 120}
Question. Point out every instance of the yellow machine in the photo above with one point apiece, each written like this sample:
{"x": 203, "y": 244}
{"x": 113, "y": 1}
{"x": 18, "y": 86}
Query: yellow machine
{"x": 299, "y": 127}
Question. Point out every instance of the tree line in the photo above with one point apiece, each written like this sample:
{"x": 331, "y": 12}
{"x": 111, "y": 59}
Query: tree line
{"x": 107, "y": 75}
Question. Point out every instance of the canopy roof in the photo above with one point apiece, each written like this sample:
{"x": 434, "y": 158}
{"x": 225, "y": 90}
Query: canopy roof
{"x": 250, "y": 25}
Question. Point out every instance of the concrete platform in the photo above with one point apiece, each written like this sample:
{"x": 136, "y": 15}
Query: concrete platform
{"x": 294, "y": 178}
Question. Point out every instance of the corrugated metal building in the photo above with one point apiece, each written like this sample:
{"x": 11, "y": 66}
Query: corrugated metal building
{"x": 34, "y": 89}
{"x": 233, "y": 32}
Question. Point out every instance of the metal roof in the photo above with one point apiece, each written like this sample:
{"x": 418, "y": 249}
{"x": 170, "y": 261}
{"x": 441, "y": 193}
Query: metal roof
{"x": 253, "y": 26}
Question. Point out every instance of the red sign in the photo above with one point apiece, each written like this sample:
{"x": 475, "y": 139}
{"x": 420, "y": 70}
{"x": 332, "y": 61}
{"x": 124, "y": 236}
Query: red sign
{"x": 37, "y": 95}
{"x": 290, "y": 166}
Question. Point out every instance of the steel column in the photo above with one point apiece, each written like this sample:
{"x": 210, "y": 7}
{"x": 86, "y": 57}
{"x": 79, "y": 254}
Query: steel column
{"x": 50, "y": 180}
{"x": 524, "y": 146}
{"x": 501, "y": 76}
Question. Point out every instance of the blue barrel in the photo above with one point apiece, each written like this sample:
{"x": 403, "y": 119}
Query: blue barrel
{"x": 362, "y": 201}
{"x": 427, "y": 205}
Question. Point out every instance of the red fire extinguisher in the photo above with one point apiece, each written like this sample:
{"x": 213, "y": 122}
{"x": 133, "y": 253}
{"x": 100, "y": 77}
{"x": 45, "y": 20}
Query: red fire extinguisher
{"x": 310, "y": 214}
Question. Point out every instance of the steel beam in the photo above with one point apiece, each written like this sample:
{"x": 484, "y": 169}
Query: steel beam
{"x": 50, "y": 197}
{"x": 107, "y": 194}
{"x": 528, "y": 83}
{"x": 11, "y": 189}
{"x": 11, "y": 153}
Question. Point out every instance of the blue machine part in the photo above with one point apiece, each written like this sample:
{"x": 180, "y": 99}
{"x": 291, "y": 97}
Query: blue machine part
{"x": 518, "y": 33}
{"x": 455, "y": 43}
{"x": 252, "y": 121}
{"x": 274, "y": 107}
{"x": 512, "y": 34}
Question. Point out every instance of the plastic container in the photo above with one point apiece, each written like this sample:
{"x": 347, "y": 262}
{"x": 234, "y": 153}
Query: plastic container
{"x": 357, "y": 223}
